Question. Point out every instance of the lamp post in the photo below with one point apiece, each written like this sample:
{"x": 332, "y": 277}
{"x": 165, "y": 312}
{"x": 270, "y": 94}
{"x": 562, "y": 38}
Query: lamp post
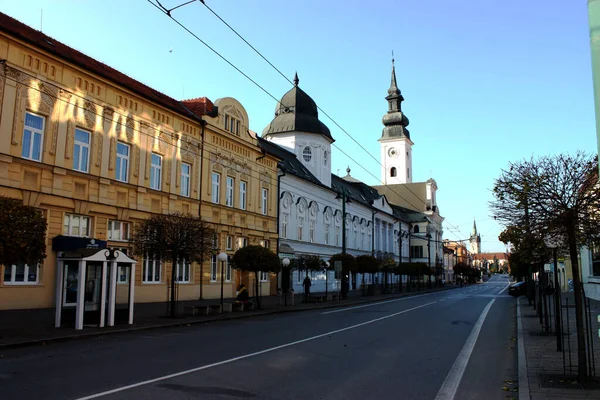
{"x": 326, "y": 278}
{"x": 345, "y": 200}
{"x": 552, "y": 243}
{"x": 222, "y": 257}
{"x": 286, "y": 263}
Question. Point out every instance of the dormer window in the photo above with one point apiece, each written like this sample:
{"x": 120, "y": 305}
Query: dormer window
{"x": 307, "y": 154}
{"x": 232, "y": 125}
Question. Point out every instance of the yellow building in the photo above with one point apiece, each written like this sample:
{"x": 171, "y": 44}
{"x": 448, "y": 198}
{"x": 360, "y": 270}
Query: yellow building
{"x": 97, "y": 151}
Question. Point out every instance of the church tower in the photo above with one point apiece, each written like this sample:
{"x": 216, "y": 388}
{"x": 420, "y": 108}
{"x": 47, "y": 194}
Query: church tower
{"x": 475, "y": 240}
{"x": 396, "y": 146}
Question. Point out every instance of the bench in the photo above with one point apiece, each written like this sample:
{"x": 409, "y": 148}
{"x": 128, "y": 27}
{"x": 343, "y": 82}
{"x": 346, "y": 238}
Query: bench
{"x": 248, "y": 306}
{"x": 316, "y": 298}
{"x": 231, "y": 307}
{"x": 334, "y": 296}
{"x": 213, "y": 309}
{"x": 195, "y": 310}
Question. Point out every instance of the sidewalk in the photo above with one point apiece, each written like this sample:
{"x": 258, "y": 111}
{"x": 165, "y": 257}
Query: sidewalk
{"x": 541, "y": 366}
{"x": 30, "y": 327}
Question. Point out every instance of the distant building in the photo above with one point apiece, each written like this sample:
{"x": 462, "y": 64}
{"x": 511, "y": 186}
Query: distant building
{"x": 475, "y": 240}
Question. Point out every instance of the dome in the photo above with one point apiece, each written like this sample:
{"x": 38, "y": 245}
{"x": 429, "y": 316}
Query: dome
{"x": 297, "y": 111}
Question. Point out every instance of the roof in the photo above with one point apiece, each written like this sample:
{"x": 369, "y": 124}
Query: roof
{"x": 408, "y": 195}
{"x": 288, "y": 161}
{"x": 490, "y": 256}
{"x": 200, "y": 106}
{"x": 297, "y": 112}
{"x": 355, "y": 190}
{"x": 408, "y": 215}
{"x": 36, "y": 38}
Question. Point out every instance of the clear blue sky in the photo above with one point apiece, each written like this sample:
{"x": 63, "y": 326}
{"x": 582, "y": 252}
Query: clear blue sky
{"x": 485, "y": 82}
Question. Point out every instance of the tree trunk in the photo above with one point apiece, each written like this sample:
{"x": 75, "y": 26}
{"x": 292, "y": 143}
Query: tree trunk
{"x": 173, "y": 275}
{"x": 256, "y": 290}
{"x": 579, "y": 311}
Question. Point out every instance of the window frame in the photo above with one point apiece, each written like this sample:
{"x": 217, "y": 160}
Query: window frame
{"x": 214, "y": 265}
{"x": 82, "y": 218}
{"x": 185, "y": 179}
{"x": 111, "y": 228}
{"x": 307, "y": 154}
{"x": 145, "y": 268}
{"x": 264, "y": 200}
{"x": 229, "y": 184}
{"x": 229, "y": 242}
{"x": 122, "y": 159}
{"x": 26, "y": 274}
{"x": 228, "y": 270}
{"x": 156, "y": 171}
{"x": 181, "y": 269}
{"x": 243, "y": 194}
{"x": 33, "y": 131}
{"x": 284, "y": 224}
{"x": 77, "y": 155}
{"x": 215, "y": 186}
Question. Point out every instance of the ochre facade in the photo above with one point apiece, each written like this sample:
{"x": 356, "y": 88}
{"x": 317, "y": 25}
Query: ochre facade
{"x": 96, "y": 156}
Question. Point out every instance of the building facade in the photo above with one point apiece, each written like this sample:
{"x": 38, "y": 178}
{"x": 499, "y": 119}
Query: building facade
{"x": 97, "y": 152}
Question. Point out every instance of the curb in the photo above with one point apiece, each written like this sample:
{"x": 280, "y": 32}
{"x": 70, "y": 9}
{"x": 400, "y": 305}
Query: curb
{"x": 522, "y": 359}
{"x": 182, "y": 323}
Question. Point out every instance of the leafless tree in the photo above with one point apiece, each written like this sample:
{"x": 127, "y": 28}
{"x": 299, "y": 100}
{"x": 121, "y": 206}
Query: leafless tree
{"x": 554, "y": 196}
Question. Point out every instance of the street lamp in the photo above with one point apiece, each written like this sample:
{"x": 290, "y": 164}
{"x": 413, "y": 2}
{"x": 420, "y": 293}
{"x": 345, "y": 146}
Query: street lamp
{"x": 222, "y": 257}
{"x": 326, "y": 278}
{"x": 553, "y": 244}
{"x": 286, "y": 262}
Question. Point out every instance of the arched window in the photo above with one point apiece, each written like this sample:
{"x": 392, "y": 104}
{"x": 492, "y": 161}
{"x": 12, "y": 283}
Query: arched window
{"x": 307, "y": 154}
{"x": 393, "y": 172}
{"x": 416, "y": 229}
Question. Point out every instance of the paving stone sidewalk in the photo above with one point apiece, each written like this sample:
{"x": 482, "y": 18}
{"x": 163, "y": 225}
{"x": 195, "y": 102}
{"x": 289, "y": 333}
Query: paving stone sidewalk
{"x": 30, "y": 327}
{"x": 545, "y": 370}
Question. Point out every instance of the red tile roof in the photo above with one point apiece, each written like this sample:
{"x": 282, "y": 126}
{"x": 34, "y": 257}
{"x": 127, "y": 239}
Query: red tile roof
{"x": 23, "y": 32}
{"x": 490, "y": 256}
{"x": 200, "y": 106}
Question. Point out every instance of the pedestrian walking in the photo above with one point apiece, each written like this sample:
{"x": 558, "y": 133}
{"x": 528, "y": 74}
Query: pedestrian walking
{"x": 307, "y": 284}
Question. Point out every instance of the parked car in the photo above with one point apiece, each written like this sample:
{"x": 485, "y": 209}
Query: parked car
{"x": 517, "y": 289}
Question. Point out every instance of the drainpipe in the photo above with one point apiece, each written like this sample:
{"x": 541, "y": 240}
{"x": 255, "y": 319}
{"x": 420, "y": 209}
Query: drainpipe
{"x": 373, "y": 232}
{"x": 279, "y": 176}
{"x": 203, "y": 124}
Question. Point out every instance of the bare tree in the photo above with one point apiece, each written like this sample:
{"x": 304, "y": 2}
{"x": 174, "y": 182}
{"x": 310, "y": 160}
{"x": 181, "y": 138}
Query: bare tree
{"x": 175, "y": 238}
{"x": 256, "y": 259}
{"x": 554, "y": 196}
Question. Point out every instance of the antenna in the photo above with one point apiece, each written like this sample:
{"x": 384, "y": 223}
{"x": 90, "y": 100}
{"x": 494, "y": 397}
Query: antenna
{"x": 42, "y": 21}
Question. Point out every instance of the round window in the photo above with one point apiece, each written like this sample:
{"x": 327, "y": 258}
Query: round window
{"x": 307, "y": 154}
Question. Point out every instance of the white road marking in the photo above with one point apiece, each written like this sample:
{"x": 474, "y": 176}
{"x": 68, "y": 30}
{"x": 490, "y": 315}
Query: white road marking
{"x": 450, "y": 385}
{"x": 189, "y": 371}
{"x": 376, "y": 304}
{"x": 500, "y": 292}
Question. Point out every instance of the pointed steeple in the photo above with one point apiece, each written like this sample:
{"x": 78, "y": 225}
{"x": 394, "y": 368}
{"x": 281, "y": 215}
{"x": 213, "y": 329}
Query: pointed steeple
{"x": 395, "y": 121}
{"x": 474, "y": 233}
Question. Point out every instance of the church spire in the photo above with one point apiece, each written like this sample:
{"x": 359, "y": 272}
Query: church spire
{"x": 474, "y": 228}
{"x": 395, "y": 121}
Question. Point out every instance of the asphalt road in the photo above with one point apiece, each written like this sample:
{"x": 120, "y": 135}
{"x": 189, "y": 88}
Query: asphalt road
{"x": 456, "y": 344}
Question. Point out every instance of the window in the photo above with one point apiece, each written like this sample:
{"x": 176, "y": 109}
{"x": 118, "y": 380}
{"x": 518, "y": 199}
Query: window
{"x": 595, "y": 248}
{"x": 264, "y": 276}
{"x": 122, "y": 166}
{"x": 265, "y": 197}
{"x": 122, "y": 274}
{"x": 155, "y": 171}
{"x": 408, "y": 172}
{"x": 326, "y": 233}
{"x": 118, "y": 230}
{"x": 300, "y": 226}
{"x": 393, "y": 172}
{"x": 21, "y": 274}
{"x": 226, "y": 122}
{"x": 356, "y": 237}
{"x": 311, "y": 231}
{"x": 242, "y": 242}
{"x": 416, "y": 251}
{"x": 243, "y": 186}
{"x": 265, "y": 243}
{"x": 81, "y": 150}
{"x": 183, "y": 271}
{"x": 337, "y": 235}
{"x": 237, "y": 127}
{"x": 325, "y": 158}
{"x": 228, "y": 269}
{"x": 215, "y": 242}
{"x": 307, "y": 154}
{"x": 33, "y": 133}
{"x": 362, "y": 234}
{"x": 213, "y": 268}
{"x": 151, "y": 269}
{"x": 416, "y": 229}
{"x": 216, "y": 182}
{"x": 76, "y": 225}
{"x": 229, "y": 242}
{"x": 229, "y": 192}
{"x": 185, "y": 179}
{"x": 231, "y": 125}
{"x": 284, "y": 224}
